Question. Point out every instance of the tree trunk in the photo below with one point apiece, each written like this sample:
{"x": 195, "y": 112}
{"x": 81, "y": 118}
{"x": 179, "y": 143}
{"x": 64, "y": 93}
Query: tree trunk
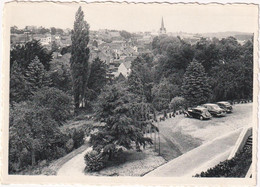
{"x": 33, "y": 157}
{"x": 76, "y": 103}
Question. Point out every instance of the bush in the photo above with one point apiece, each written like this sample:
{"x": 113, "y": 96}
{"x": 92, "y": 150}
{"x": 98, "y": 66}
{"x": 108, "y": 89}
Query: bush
{"x": 177, "y": 103}
{"x": 69, "y": 145}
{"x": 236, "y": 167}
{"x": 95, "y": 161}
{"x": 78, "y": 138}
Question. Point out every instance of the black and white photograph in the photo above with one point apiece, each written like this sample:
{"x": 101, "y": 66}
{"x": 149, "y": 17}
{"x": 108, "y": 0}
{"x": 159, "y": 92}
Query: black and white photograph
{"x": 142, "y": 90}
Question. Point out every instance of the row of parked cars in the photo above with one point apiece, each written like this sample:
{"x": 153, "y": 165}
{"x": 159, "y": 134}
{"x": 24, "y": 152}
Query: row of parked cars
{"x": 206, "y": 111}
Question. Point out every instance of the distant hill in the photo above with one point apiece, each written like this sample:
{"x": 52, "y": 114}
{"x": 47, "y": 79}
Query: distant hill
{"x": 237, "y": 35}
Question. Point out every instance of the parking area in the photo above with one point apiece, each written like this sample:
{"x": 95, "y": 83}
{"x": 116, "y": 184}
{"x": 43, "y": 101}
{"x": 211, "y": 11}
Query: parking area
{"x": 180, "y": 134}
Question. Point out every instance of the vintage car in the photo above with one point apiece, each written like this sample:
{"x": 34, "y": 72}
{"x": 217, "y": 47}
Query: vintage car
{"x": 214, "y": 110}
{"x": 225, "y": 105}
{"x": 198, "y": 112}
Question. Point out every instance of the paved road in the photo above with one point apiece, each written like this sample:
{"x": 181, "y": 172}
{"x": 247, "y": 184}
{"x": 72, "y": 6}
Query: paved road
{"x": 214, "y": 140}
{"x": 199, "y": 159}
{"x": 180, "y": 135}
{"x": 74, "y": 166}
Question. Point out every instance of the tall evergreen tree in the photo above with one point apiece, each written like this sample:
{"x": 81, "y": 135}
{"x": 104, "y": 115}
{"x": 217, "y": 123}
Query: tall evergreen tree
{"x": 36, "y": 76}
{"x": 79, "y": 58}
{"x": 195, "y": 86}
{"x": 23, "y": 55}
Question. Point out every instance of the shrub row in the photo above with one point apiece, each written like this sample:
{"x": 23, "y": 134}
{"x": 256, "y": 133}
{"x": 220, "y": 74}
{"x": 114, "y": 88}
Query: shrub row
{"x": 236, "y": 167}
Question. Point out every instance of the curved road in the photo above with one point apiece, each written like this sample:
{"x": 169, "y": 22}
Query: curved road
{"x": 180, "y": 135}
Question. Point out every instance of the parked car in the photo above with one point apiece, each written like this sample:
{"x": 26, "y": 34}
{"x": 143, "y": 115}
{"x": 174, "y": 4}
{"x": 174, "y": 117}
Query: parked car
{"x": 214, "y": 109}
{"x": 198, "y": 112}
{"x": 225, "y": 105}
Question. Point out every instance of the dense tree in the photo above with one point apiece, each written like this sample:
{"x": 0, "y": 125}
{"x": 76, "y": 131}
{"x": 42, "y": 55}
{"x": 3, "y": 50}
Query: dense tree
{"x": 163, "y": 92}
{"x": 140, "y": 78}
{"x": 97, "y": 80}
{"x": 79, "y": 58}
{"x": 19, "y": 88}
{"x": 43, "y": 30}
{"x": 61, "y": 78}
{"x": 65, "y": 50}
{"x": 58, "y": 103}
{"x": 23, "y": 55}
{"x": 117, "y": 110}
{"x": 195, "y": 87}
{"x": 126, "y": 35}
{"x": 54, "y": 46}
{"x": 232, "y": 81}
{"x": 15, "y": 30}
{"x": 53, "y": 30}
{"x": 230, "y": 49}
{"x": 31, "y": 130}
{"x": 207, "y": 53}
{"x": 36, "y": 76}
{"x": 172, "y": 55}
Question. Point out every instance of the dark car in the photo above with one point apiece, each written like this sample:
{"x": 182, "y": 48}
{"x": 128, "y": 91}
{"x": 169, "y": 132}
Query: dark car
{"x": 225, "y": 105}
{"x": 198, "y": 112}
{"x": 215, "y": 110}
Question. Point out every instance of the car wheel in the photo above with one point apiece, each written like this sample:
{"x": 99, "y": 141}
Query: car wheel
{"x": 186, "y": 115}
{"x": 201, "y": 118}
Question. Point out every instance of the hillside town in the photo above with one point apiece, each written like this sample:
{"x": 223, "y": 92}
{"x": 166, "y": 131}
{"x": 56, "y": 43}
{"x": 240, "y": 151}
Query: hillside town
{"x": 111, "y": 102}
{"x": 116, "y": 48}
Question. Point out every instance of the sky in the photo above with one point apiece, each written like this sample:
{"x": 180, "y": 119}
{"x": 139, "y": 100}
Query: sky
{"x": 191, "y": 18}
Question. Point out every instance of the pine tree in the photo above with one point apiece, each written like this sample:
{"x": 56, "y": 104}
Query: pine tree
{"x": 36, "y": 76}
{"x": 23, "y": 55}
{"x": 195, "y": 86}
{"x": 79, "y": 58}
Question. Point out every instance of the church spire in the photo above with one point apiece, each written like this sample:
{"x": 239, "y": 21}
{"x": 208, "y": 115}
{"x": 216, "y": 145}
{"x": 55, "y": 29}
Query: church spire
{"x": 162, "y": 24}
{"x": 162, "y": 29}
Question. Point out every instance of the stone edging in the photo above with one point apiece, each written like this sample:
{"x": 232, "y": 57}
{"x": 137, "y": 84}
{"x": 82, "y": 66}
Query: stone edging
{"x": 241, "y": 141}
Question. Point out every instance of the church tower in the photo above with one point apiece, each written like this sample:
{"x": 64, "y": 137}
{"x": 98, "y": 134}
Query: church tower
{"x": 162, "y": 29}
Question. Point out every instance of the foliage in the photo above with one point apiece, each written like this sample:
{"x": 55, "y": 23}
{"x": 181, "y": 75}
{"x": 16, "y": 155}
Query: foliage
{"x": 177, "y": 103}
{"x": 58, "y": 103}
{"x": 195, "y": 87}
{"x": 116, "y": 110}
{"x": 36, "y": 76}
{"x": 126, "y": 35}
{"x": 97, "y": 80}
{"x": 173, "y": 55}
{"x": 23, "y": 55}
{"x": 94, "y": 161}
{"x": 60, "y": 74}
{"x": 33, "y": 136}
{"x": 236, "y": 167}
{"x": 207, "y": 53}
{"x": 78, "y": 136}
{"x": 54, "y": 46}
{"x": 163, "y": 93}
{"x": 140, "y": 78}
{"x": 19, "y": 88}
{"x": 65, "y": 50}
{"x": 79, "y": 58}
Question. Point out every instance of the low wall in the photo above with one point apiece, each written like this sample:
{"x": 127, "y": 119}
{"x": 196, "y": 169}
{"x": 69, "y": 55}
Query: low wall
{"x": 241, "y": 141}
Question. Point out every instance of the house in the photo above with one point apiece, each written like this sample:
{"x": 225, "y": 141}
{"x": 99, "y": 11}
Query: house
{"x": 124, "y": 68}
{"x": 46, "y": 40}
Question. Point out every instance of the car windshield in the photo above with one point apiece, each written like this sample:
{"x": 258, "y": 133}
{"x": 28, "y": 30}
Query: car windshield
{"x": 216, "y": 107}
